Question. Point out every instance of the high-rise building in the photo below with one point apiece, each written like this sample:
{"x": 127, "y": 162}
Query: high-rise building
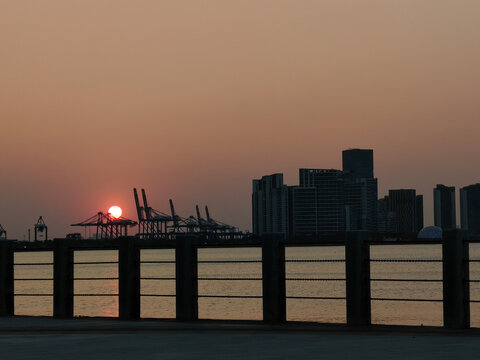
{"x": 270, "y": 205}
{"x": 419, "y": 212}
{"x": 470, "y": 209}
{"x": 358, "y": 163}
{"x": 302, "y": 210}
{"x": 325, "y": 201}
{"x": 407, "y": 210}
{"x": 361, "y": 190}
{"x": 444, "y": 207}
{"x": 317, "y": 205}
{"x": 385, "y": 217}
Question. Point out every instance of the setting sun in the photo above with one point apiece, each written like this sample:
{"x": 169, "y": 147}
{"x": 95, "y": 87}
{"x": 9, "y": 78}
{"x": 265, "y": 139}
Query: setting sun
{"x": 115, "y": 212}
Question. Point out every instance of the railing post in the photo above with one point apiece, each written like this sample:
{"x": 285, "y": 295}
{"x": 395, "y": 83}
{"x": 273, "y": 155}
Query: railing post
{"x": 273, "y": 278}
{"x": 6, "y": 279}
{"x": 128, "y": 279}
{"x": 357, "y": 270}
{"x": 186, "y": 283}
{"x": 62, "y": 278}
{"x": 456, "y": 285}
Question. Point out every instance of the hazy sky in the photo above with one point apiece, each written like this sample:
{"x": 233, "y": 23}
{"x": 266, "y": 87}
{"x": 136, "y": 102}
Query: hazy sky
{"x": 194, "y": 99}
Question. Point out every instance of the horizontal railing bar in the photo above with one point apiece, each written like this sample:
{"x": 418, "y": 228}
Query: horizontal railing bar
{"x": 474, "y": 281}
{"x": 242, "y": 279}
{"x": 316, "y": 298}
{"x": 315, "y": 279}
{"x": 33, "y": 264}
{"x": 33, "y": 294}
{"x": 232, "y": 296}
{"x": 408, "y": 280}
{"x": 158, "y": 295}
{"x": 104, "y": 278}
{"x": 158, "y": 262}
{"x": 95, "y": 294}
{"x": 95, "y": 263}
{"x": 228, "y": 261}
{"x": 157, "y": 278}
{"x": 414, "y": 300}
{"x": 407, "y": 260}
{"x": 313, "y": 260}
{"x": 33, "y": 279}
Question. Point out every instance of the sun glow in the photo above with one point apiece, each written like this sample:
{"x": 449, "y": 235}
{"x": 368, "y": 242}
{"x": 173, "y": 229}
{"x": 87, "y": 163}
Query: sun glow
{"x": 115, "y": 211}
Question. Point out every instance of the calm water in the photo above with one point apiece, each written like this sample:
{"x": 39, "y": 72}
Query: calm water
{"x": 383, "y": 312}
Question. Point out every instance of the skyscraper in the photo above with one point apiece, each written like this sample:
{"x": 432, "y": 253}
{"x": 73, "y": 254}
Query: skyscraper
{"x": 361, "y": 190}
{"x": 358, "y": 163}
{"x": 419, "y": 213}
{"x": 470, "y": 209}
{"x": 385, "y": 217}
{"x": 317, "y": 205}
{"x": 445, "y": 216}
{"x": 407, "y": 209}
{"x": 303, "y": 211}
{"x": 270, "y": 205}
{"x": 325, "y": 201}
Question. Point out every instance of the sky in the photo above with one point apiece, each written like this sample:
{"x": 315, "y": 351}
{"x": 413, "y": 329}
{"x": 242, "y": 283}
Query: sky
{"x": 193, "y": 99}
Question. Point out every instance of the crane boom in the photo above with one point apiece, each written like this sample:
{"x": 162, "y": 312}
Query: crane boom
{"x": 137, "y": 204}
{"x": 208, "y": 214}
{"x": 172, "y": 209}
{"x": 145, "y": 205}
{"x": 198, "y": 213}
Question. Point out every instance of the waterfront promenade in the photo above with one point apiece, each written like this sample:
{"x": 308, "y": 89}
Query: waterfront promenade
{"x": 47, "y": 338}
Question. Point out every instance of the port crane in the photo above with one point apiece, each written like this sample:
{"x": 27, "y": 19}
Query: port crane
{"x": 107, "y": 227}
{"x": 3, "y": 233}
{"x": 40, "y": 228}
{"x": 154, "y": 224}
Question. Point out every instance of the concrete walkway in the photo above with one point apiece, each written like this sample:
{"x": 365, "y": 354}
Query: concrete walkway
{"x": 44, "y": 338}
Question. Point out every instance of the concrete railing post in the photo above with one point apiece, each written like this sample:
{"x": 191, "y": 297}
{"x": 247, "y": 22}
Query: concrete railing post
{"x": 456, "y": 286}
{"x": 6, "y": 279}
{"x": 128, "y": 279}
{"x": 186, "y": 283}
{"x": 62, "y": 278}
{"x": 273, "y": 278}
{"x": 357, "y": 270}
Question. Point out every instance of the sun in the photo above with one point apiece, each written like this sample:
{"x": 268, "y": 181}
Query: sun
{"x": 115, "y": 211}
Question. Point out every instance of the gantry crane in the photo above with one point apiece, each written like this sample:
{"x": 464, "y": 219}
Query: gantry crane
{"x": 154, "y": 224}
{"x": 3, "y": 233}
{"x": 108, "y": 227}
{"x": 40, "y": 228}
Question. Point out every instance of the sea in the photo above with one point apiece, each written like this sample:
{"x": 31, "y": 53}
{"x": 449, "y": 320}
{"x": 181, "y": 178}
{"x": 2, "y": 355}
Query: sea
{"x": 299, "y": 284}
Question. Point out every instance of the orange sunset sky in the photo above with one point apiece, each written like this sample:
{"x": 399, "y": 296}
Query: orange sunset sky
{"x": 193, "y": 99}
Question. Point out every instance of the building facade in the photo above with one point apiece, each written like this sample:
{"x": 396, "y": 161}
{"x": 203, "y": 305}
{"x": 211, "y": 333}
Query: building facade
{"x": 270, "y": 205}
{"x": 361, "y": 190}
{"x": 445, "y": 213}
{"x": 324, "y": 201}
{"x": 470, "y": 209}
{"x": 322, "y": 192}
{"x": 385, "y": 217}
{"x": 406, "y": 210}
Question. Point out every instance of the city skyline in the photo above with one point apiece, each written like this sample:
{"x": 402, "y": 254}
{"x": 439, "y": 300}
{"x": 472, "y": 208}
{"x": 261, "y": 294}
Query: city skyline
{"x": 190, "y": 211}
{"x": 192, "y": 100}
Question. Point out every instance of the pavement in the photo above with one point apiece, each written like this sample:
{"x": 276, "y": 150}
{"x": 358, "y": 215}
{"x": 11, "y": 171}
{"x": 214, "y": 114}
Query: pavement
{"x": 88, "y": 338}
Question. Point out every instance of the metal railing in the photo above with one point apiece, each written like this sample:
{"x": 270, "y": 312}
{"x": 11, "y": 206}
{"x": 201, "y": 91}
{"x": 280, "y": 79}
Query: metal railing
{"x": 455, "y": 280}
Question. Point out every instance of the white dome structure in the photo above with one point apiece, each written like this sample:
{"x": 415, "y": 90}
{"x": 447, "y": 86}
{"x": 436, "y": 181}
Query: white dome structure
{"x": 430, "y": 232}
